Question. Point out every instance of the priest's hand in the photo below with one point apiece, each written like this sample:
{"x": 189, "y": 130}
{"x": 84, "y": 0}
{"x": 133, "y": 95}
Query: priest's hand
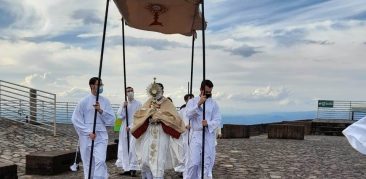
{"x": 125, "y": 104}
{"x": 188, "y": 127}
{"x": 128, "y": 129}
{"x": 204, "y": 123}
{"x": 92, "y": 136}
{"x": 157, "y": 116}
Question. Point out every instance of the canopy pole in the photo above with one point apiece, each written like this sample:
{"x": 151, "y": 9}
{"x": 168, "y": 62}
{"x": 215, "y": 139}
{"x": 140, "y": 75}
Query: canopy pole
{"x": 188, "y": 88}
{"x": 191, "y": 84}
{"x": 192, "y": 58}
{"x": 204, "y": 78}
{"x": 99, "y": 82}
{"x": 124, "y": 79}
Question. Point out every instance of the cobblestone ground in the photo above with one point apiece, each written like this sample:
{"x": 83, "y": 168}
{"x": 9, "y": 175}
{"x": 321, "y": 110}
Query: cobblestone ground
{"x": 257, "y": 157}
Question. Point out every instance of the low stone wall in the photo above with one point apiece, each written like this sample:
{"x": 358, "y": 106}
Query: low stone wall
{"x": 49, "y": 163}
{"x": 307, "y": 125}
{"x": 8, "y": 171}
{"x": 55, "y": 162}
{"x": 235, "y": 131}
{"x": 333, "y": 128}
{"x": 286, "y": 131}
{"x": 257, "y": 129}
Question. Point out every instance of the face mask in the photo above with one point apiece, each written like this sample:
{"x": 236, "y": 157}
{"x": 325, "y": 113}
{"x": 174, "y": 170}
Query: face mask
{"x": 100, "y": 90}
{"x": 158, "y": 96}
{"x": 130, "y": 95}
{"x": 208, "y": 95}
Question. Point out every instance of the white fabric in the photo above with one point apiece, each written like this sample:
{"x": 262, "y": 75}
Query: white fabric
{"x": 83, "y": 119}
{"x": 99, "y": 167}
{"x": 213, "y": 117}
{"x": 356, "y": 135}
{"x": 146, "y": 174}
{"x": 217, "y": 132}
{"x": 127, "y": 161}
{"x": 183, "y": 115}
{"x": 157, "y": 151}
{"x": 184, "y": 141}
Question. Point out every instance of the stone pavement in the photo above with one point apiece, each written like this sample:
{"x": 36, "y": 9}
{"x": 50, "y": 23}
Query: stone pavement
{"x": 257, "y": 157}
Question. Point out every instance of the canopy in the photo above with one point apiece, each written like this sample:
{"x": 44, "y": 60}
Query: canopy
{"x": 165, "y": 16}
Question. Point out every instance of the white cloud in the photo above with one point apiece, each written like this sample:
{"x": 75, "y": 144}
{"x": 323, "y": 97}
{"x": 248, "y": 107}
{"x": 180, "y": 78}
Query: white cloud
{"x": 268, "y": 93}
{"x": 261, "y": 94}
{"x": 73, "y": 94}
{"x": 43, "y": 80}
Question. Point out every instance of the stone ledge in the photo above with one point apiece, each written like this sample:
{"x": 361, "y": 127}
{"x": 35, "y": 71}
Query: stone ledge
{"x": 8, "y": 171}
{"x": 230, "y": 131}
{"x": 55, "y": 162}
{"x": 286, "y": 131}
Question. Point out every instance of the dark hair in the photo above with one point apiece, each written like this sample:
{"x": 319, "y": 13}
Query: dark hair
{"x": 129, "y": 87}
{"x": 161, "y": 85}
{"x": 183, "y": 106}
{"x": 207, "y": 83}
{"x": 93, "y": 80}
{"x": 188, "y": 96}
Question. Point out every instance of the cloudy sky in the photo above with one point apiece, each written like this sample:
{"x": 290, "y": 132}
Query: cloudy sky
{"x": 262, "y": 55}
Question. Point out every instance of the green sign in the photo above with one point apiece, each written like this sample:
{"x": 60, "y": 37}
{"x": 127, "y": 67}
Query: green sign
{"x": 325, "y": 103}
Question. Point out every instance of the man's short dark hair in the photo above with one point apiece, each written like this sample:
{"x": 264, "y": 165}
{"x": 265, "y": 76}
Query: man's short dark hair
{"x": 129, "y": 87}
{"x": 188, "y": 96}
{"x": 161, "y": 86}
{"x": 93, "y": 80}
{"x": 207, "y": 83}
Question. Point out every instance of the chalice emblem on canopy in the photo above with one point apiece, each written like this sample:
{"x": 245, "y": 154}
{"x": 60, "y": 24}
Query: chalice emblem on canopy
{"x": 156, "y": 10}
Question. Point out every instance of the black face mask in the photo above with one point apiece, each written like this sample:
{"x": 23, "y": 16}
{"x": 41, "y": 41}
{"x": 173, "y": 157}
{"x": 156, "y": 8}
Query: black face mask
{"x": 208, "y": 95}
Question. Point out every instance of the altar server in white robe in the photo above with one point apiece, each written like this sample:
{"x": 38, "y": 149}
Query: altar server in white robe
{"x": 127, "y": 160}
{"x": 83, "y": 119}
{"x": 184, "y": 137}
{"x": 211, "y": 121}
{"x": 356, "y": 135}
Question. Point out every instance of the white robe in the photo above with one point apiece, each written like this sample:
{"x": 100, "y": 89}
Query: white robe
{"x": 183, "y": 141}
{"x": 83, "y": 119}
{"x": 356, "y": 135}
{"x": 157, "y": 151}
{"x": 213, "y": 117}
{"x": 127, "y": 161}
{"x": 217, "y": 132}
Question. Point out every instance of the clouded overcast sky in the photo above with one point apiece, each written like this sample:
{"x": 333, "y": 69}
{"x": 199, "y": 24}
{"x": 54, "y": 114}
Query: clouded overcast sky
{"x": 262, "y": 55}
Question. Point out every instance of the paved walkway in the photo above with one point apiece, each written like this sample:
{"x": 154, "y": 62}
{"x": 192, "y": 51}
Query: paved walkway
{"x": 258, "y": 157}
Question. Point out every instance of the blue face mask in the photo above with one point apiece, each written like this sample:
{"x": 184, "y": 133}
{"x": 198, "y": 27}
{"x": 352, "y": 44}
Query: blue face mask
{"x": 100, "y": 89}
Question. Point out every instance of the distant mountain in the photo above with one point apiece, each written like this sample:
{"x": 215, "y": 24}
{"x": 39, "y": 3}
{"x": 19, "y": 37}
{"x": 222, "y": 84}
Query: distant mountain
{"x": 268, "y": 117}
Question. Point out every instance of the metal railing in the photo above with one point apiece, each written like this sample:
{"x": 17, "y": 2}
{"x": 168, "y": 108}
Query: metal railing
{"x": 344, "y": 110}
{"x": 27, "y": 105}
{"x": 35, "y": 107}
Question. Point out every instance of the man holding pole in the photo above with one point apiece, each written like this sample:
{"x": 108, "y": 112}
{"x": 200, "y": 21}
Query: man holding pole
{"x": 83, "y": 121}
{"x": 127, "y": 153}
{"x": 209, "y": 123}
